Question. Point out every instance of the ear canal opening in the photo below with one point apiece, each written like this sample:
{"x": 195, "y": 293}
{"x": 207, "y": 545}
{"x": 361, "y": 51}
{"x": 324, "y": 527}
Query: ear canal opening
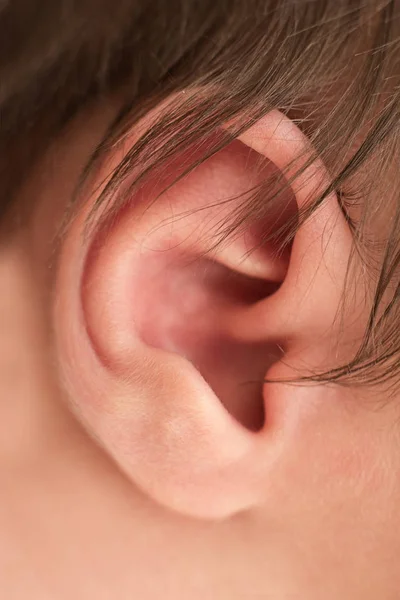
{"x": 200, "y": 300}
{"x": 238, "y": 383}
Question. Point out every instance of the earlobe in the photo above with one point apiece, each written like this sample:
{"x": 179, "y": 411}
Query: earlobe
{"x": 164, "y": 345}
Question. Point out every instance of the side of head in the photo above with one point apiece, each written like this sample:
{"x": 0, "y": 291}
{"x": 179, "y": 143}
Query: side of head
{"x": 208, "y": 238}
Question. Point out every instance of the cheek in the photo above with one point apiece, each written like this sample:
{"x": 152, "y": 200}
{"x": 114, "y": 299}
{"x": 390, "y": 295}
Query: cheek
{"x": 343, "y": 467}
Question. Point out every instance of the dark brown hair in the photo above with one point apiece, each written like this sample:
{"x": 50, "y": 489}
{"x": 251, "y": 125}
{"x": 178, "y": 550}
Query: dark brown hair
{"x": 331, "y": 65}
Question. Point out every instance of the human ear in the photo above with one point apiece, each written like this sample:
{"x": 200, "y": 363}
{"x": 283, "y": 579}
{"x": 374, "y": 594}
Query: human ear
{"x": 165, "y": 340}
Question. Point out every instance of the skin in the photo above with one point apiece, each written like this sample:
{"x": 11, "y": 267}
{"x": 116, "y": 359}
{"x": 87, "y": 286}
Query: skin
{"x": 322, "y": 521}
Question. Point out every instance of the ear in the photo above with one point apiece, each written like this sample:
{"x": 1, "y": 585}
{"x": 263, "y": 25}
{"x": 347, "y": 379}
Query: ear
{"x": 165, "y": 341}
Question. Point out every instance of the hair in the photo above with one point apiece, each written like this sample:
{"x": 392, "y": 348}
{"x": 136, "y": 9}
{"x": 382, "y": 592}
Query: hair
{"x": 331, "y": 65}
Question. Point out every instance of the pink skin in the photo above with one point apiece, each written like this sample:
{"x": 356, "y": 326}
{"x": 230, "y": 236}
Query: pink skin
{"x": 186, "y": 493}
